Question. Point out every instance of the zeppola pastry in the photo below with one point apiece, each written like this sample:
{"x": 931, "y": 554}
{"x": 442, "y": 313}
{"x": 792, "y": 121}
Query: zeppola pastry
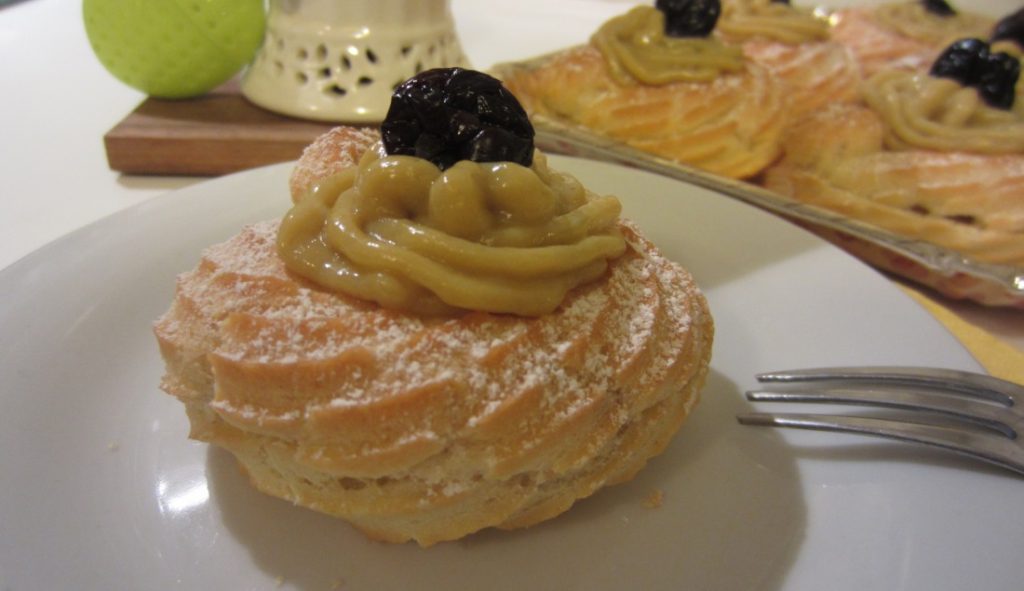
{"x": 906, "y": 34}
{"x": 936, "y": 157}
{"x": 794, "y": 44}
{"x": 659, "y": 81}
{"x": 444, "y": 334}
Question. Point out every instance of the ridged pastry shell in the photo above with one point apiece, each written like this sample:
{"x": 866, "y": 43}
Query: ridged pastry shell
{"x": 876, "y": 46}
{"x": 816, "y": 73}
{"x": 432, "y": 428}
{"x": 328, "y": 154}
{"x": 969, "y": 203}
{"x": 729, "y": 126}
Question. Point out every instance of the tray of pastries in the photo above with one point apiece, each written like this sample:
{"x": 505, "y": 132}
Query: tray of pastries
{"x": 895, "y": 130}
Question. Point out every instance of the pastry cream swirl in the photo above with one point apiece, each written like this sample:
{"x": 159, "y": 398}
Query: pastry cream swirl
{"x": 495, "y": 236}
{"x": 1010, "y": 47}
{"x": 637, "y": 49}
{"x": 930, "y": 113}
{"x": 913, "y": 20}
{"x": 748, "y": 19}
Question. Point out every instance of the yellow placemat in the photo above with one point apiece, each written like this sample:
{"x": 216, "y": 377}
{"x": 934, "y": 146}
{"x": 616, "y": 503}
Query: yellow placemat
{"x": 998, "y": 357}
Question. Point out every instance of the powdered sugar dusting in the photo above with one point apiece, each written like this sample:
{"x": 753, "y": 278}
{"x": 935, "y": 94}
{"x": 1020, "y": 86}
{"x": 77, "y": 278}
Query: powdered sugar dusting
{"x": 329, "y": 154}
{"x": 607, "y": 339}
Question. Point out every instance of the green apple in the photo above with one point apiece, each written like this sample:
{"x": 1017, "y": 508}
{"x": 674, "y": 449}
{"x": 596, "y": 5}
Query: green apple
{"x": 174, "y": 48}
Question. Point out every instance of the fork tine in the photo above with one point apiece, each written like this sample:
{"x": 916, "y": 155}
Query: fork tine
{"x": 982, "y": 413}
{"x": 989, "y": 448}
{"x": 950, "y": 380}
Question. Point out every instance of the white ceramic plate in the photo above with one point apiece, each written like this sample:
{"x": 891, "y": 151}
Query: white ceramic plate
{"x": 101, "y": 489}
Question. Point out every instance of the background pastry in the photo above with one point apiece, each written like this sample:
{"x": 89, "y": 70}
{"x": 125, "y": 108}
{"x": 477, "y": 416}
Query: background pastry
{"x": 794, "y": 44}
{"x": 934, "y": 157}
{"x": 679, "y": 92}
{"x": 907, "y": 34}
{"x": 429, "y": 424}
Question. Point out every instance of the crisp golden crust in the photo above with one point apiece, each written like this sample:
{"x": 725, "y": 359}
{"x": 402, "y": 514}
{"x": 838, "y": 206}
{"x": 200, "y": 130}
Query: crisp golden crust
{"x": 794, "y": 45}
{"x": 429, "y": 429}
{"x": 816, "y": 74}
{"x": 730, "y": 126}
{"x": 329, "y": 154}
{"x": 901, "y": 35}
{"x": 969, "y": 203}
{"x": 876, "y": 47}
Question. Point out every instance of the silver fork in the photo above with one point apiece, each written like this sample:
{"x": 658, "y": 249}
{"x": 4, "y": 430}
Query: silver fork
{"x": 988, "y": 412}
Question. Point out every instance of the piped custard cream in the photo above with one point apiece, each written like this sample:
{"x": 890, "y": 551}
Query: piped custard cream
{"x": 931, "y": 113}
{"x": 490, "y": 236}
{"x": 913, "y": 20}
{"x": 637, "y": 49}
{"x": 749, "y": 19}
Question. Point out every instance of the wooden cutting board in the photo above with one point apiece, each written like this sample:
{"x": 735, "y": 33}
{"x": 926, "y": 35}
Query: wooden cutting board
{"x": 218, "y": 133}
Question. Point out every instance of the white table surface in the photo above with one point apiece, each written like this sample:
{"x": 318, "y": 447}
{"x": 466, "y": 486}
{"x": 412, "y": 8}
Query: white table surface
{"x": 57, "y": 101}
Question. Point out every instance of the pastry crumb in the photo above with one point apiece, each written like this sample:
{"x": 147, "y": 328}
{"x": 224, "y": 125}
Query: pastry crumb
{"x": 338, "y": 585}
{"x": 654, "y": 499}
{"x": 113, "y": 446}
{"x": 279, "y": 582}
